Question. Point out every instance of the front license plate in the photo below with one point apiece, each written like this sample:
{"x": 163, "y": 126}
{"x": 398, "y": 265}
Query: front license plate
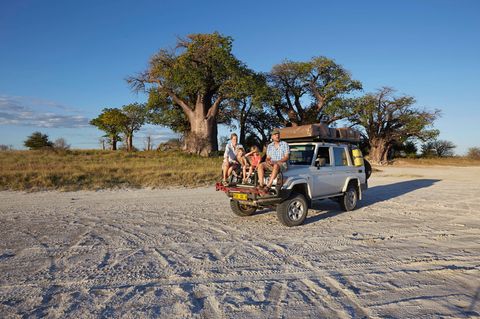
{"x": 240, "y": 196}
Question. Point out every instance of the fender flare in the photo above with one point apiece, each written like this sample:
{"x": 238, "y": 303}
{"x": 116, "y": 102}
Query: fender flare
{"x": 357, "y": 181}
{"x": 299, "y": 181}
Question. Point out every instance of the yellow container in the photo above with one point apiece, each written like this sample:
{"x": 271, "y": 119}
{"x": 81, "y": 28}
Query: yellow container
{"x": 357, "y": 157}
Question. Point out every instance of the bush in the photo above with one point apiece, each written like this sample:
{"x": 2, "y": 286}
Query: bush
{"x": 61, "y": 144}
{"x": 473, "y": 153}
{"x": 173, "y": 144}
{"x": 38, "y": 141}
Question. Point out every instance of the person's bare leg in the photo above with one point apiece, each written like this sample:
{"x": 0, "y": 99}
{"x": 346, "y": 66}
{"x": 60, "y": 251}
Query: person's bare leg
{"x": 250, "y": 171}
{"x": 261, "y": 174}
{"x": 274, "y": 174}
{"x": 244, "y": 170}
{"x": 226, "y": 166}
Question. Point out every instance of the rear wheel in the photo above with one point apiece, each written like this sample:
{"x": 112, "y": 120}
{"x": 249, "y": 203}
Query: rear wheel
{"x": 368, "y": 168}
{"x": 349, "y": 200}
{"x": 241, "y": 209}
{"x": 293, "y": 211}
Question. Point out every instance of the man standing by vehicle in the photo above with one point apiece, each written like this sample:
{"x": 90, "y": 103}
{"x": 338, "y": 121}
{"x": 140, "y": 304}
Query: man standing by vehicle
{"x": 230, "y": 157}
{"x": 278, "y": 153}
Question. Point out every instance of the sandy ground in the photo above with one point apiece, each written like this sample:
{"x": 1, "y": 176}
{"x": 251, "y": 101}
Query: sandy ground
{"x": 412, "y": 250}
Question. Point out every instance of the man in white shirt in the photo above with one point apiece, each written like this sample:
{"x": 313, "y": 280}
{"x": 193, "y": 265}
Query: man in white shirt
{"x": 278, "y": 153}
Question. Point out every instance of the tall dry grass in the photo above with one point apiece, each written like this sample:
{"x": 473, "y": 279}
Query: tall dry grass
{"x": 95, "y": 169}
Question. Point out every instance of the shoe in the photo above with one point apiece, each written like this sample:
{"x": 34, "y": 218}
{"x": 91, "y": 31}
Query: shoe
{"x": 225, "y": 183}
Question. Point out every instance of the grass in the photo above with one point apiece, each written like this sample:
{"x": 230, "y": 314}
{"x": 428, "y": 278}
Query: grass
{"x": 94, "y": 169}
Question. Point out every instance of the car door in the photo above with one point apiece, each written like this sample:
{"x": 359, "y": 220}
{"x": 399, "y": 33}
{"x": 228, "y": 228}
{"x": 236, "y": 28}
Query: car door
{"x": 343, "y": 166}
{"x": 322, "y": 172}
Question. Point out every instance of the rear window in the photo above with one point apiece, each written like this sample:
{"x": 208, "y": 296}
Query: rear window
{"x": 340, "y": 156}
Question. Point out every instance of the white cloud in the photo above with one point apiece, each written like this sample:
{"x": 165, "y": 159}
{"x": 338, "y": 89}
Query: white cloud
{"x": 17, "y": 110}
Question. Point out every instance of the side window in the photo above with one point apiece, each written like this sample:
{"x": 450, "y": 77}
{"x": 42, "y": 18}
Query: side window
{"x": 323, "y": 156}
{"x": 340, "y": 156}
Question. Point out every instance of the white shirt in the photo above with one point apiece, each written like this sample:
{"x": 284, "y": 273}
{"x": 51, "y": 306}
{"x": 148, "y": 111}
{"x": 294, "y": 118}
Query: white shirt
{"x": 230, "y": 154}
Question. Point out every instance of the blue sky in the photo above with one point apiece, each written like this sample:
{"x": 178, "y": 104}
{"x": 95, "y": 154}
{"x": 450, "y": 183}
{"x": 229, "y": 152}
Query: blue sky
{"x": 61, "y": 62}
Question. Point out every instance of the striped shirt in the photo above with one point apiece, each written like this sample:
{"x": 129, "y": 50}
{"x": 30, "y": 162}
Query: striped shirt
{"x": 275, "y": 153}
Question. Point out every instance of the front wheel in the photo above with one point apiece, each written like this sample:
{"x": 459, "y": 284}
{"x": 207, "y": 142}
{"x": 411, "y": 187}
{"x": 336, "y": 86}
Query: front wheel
{"x": 349, "y": 200}
{"x": 293, "y": 211}
{"x": 241, "y": 209}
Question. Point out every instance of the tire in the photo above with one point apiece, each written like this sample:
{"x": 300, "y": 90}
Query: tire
{"x": 293, "y": 211}
{"x": 368, "y": 168}
{"x": 241, "y": 209}
{"x": 349, "y": 200}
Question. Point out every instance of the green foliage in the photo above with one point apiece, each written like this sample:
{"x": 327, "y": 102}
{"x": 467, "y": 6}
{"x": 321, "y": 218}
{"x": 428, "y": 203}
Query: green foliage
{"x": 405, "y": 149}
{"x": 136, "y": 117}
{"x": 38, "y": 141}
{"x": 308, "y": 91}
{"x": 199, "y": 71}
{"x": 261, "y": 123}
{"x": 112, "y": 121}
{"x": 163, "y": 111}
{"x": 392, "y": 119}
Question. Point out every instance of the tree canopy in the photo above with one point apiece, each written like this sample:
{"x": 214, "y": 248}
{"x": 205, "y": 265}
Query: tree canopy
{"x": 312, "y": 89}
{"x": 196, "y": 78}
{"x": 387, "y": 119}
{"x": 37, "y": 141}
{"x": 112, "y": 121}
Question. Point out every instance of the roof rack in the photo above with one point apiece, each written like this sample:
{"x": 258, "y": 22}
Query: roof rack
{"x": 321, "y": 139}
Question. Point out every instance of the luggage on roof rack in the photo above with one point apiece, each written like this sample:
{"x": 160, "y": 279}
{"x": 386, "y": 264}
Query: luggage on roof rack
{"x": 319, "y": 132}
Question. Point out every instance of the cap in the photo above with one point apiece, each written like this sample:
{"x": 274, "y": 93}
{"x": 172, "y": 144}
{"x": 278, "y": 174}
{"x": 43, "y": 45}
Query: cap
{"x": 275, "y": 131}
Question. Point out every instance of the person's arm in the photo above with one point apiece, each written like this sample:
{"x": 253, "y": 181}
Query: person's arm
{"x": 225, "y": 155}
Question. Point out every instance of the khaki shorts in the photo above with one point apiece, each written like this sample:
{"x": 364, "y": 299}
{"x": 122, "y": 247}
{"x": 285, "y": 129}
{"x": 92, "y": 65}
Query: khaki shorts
{"x": 269, "y": 167}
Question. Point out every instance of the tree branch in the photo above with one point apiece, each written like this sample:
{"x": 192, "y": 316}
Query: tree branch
{"x": 213, "y": 111}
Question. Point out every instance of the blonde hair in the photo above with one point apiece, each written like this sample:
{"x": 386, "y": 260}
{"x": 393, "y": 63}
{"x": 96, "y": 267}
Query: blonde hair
{"x": 254, "y": 149}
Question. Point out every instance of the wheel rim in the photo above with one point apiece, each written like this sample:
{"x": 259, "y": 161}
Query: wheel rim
{"x": 296, "y": 210}
{"x": 351, "y": 199}
{"x": 244, "y": 207}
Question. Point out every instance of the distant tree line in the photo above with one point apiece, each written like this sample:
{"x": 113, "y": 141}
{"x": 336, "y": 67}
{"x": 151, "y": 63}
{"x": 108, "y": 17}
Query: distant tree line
{"x": 200, "y": 84}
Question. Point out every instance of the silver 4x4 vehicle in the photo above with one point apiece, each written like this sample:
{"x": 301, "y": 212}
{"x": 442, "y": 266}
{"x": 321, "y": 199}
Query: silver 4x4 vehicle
{"x": 316, "y": 171}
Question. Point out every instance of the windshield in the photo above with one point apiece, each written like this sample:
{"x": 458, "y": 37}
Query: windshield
{"x": 301, "y": 154}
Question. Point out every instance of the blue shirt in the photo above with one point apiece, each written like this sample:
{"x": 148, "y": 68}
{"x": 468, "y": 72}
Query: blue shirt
{"x": 277, "y": 154}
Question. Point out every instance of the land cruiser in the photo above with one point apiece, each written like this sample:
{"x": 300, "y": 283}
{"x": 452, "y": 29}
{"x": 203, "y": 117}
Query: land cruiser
{"x": 319, "y": 168}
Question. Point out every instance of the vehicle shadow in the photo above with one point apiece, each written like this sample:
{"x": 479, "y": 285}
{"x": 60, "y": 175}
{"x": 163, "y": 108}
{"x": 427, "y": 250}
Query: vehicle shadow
{"x": 373, "y": 195}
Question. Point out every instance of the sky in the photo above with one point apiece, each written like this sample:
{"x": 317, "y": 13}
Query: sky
{"x": 62, "y": 62}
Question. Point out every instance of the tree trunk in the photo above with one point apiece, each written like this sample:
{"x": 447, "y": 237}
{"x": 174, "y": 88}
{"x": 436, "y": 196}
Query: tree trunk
{"x": 243, "y": 121}
{"x": 114, "y": 143}
{"x": 379, "y": 151}
{"x": 202, "y": 137}
{"x": 130, "y": 142}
